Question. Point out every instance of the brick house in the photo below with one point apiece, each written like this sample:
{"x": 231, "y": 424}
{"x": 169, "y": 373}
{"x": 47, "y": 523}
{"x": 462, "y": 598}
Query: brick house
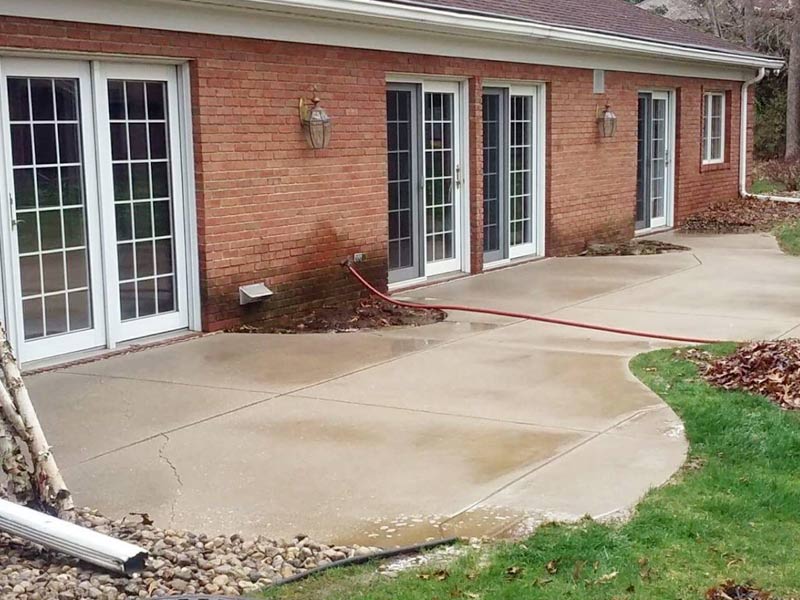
{"x": 154, "y": 161}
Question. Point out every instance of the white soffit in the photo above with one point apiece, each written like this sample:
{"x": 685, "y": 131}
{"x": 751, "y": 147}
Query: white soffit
{"x": 378, "y": 26}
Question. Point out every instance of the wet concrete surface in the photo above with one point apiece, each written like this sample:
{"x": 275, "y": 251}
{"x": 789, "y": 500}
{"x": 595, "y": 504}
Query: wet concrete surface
{"x": 478, "y": 425}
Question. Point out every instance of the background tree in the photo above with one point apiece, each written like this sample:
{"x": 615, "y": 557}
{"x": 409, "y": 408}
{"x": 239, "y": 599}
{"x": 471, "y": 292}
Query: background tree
{"x": 793, "y": 87}
{"x": 768, "y": 26}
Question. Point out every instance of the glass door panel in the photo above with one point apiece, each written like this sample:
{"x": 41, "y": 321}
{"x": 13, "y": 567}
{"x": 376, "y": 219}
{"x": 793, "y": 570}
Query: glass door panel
{"x": 402, "y": 156}
{"x": 658, "y": 162}
{"x": 439, "y": 182}
{"x": 494, "y": 180}
{"x": 521, "y": 176}
{"x": 142, "y": 196}
{"x": 54, "y": 263}
{"x": 642, "y": 163}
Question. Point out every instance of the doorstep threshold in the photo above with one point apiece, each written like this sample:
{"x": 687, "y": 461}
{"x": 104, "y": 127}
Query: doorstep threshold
{"x": 652, "y": 231}
{"x": 63, "y": 361}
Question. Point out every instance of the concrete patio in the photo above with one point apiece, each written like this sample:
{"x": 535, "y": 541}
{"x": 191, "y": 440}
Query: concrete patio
{"x": 473, "y": 426}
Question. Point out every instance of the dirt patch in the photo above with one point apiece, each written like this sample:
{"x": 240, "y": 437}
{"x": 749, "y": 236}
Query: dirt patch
{"x": 734, "y": 591}
{"x": 632, "y": 248}
{"x": 364, "y": 313}
{"x": 742, "y": 215}
{"x": 771, "y": 369}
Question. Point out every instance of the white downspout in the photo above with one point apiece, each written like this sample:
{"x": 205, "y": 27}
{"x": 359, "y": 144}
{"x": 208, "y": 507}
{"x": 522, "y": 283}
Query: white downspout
{"x": 56, "y": 534}
{"x": 743, "y": 145}
{"x": 743, "y": 105}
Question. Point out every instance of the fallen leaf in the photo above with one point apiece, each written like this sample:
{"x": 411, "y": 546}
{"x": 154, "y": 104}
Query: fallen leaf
{"x": 513, "y": 572}
{"x": 606, "y": 578}
{"x": 577, "y": 569}
{"x": 552, "y": 567}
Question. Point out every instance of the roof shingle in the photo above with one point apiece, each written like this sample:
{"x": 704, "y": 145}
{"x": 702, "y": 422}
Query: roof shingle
{"x": 605, "y": 16}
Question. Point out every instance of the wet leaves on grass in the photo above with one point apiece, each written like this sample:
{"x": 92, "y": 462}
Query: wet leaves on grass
{"x": 768, "y": 368}
{"x": 733, "y": 591}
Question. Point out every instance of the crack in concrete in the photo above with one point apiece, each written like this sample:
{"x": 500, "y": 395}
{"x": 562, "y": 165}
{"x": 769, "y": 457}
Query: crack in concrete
{"x": 788, "y": 333}
{"x": 162, "y": 455}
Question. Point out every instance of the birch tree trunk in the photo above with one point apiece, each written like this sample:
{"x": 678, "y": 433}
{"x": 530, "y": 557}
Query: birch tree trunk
{"x": 36, "y": 480}
{"x": 793, "y": 89}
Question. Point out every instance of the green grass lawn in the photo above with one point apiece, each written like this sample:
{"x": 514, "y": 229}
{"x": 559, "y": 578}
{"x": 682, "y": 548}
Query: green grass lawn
{"x": 788, "y": 235}
{"x": 732, "y": 513}
{"x": 766, "y": 186}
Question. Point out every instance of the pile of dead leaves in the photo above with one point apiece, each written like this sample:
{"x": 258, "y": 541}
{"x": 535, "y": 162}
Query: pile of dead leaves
{"x": 733, "y": 591}
{"x": 771, "y": 369}
{"x": 632, "y": 248}
{"x": 742, "y": 215}
{"x": 363, "y": 313}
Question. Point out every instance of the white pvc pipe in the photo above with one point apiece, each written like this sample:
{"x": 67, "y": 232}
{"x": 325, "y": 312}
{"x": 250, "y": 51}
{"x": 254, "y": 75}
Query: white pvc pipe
{"x": 77, "y": 541}
{"x": 743, "y": 105}
{"x": 743, "y": 147}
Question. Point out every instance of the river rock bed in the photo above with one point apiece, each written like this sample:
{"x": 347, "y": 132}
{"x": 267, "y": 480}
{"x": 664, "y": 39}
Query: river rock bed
{"x": 180, "y": 562}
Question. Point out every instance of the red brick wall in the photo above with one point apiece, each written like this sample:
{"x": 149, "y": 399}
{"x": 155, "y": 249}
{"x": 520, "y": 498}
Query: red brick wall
{"x": 271, "y": 209}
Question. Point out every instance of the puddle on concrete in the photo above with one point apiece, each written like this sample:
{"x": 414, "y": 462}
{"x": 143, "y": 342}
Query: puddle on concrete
{"x": 491, "y": 453}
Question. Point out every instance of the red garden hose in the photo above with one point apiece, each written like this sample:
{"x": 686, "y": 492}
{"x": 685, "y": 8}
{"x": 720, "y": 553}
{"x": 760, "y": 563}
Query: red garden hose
{"x": 502, "y": 313}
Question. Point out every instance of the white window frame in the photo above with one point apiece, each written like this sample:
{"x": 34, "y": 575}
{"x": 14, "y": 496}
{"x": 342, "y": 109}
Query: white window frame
{"x": 708, "y": 104}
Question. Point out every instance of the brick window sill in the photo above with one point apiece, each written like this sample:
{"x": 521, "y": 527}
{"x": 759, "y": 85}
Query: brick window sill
{"x": 715, "y": 167}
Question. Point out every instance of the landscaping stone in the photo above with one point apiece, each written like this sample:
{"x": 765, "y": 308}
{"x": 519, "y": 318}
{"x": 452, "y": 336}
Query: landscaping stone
{"x": 180, "y": 562}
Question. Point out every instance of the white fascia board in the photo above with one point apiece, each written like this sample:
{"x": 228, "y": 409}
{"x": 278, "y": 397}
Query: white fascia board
{"x": 373, "y": 25}
{"x": 501, "y": 27}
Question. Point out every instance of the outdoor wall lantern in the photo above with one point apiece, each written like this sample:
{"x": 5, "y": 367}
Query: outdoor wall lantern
{"x": 606, "y": 122}
{"x": 316, "y": 123}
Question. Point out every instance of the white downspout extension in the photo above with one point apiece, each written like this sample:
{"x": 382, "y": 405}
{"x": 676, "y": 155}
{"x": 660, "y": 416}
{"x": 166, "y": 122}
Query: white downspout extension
{"x": 743, "y": 144}
{"x": 86, "y": 544}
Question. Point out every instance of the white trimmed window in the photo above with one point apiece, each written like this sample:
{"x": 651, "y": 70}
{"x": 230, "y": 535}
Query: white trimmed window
{"x": 713, "y": 128}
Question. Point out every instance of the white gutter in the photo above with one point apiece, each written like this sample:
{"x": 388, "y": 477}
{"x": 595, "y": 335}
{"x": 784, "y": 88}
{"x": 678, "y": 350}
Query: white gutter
{"x": 431, "y": 19}
{"x": 743, "y": 145}
{"x": 79, "y": 542}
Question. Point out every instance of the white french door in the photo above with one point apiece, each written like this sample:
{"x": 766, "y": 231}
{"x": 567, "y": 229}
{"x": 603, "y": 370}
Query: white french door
{"x": 54, "y": 284}
{"x": 93, "y": 229}
{"x": 443, "y": 177}
{"x": 427, "y": 214}
{"x": 654, "y": 169}
{"x": 142, "y": 197}
{"x": 510, "y": 172}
